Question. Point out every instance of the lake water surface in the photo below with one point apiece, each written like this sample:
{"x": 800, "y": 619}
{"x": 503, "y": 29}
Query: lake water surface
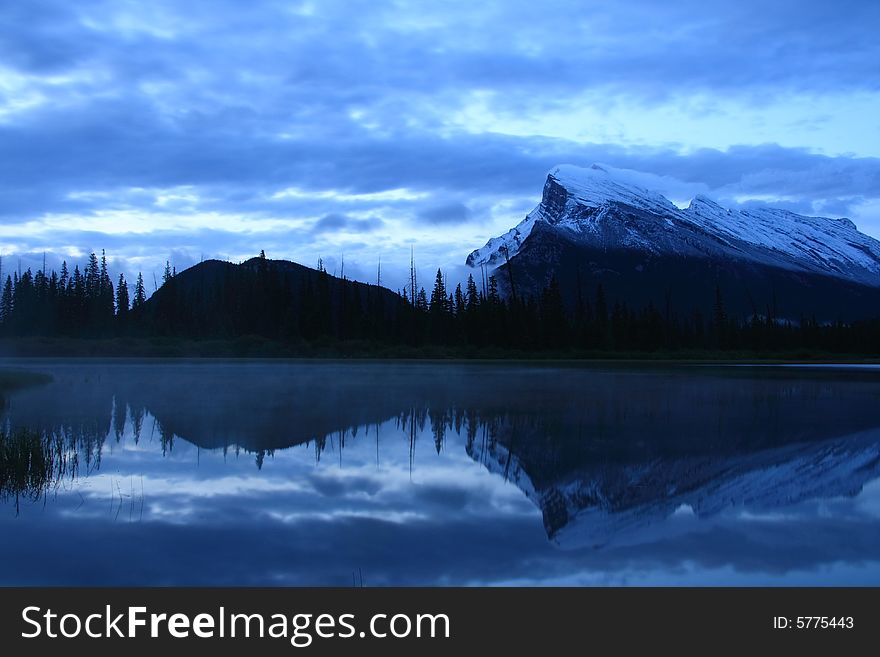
{"x": 330, "y": 473}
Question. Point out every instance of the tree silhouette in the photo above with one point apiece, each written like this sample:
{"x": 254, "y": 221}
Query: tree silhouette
{"x": 6, "y": 303}
{"x": 122, "y": 304}
{"x": 140, "y": 294}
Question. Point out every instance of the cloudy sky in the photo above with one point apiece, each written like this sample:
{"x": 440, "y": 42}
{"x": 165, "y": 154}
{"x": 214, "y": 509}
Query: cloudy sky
{"x": 189, "y": 129}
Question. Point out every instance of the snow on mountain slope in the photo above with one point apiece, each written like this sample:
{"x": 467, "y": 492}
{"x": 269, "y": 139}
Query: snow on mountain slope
{"x": 598, "y": 185}
{"x": 600, "y": 207}
{"x": 833, "y": 246}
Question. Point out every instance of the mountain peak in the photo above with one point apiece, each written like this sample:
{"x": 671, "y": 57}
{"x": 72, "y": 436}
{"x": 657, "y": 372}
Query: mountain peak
{"x": 600, "y": 185}
{"x": 608, "y": 208}
{"x": 568, "y": 191}
{"x": 701, "y": 200}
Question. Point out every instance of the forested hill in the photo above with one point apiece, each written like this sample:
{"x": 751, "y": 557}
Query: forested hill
{"x": 276, "y": 299}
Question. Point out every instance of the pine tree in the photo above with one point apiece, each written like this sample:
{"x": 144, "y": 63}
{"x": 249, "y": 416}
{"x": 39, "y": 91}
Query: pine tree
{"x": 105, "y": 309}
{"x": 6, "y": 302}
{"x": 92, "y": 278}
{"x": 140, "y": 294}
{"x": 122, "y": 305}
{"x": 24, "y": 302}
{"x": 471, "y": 311}
{"x": 41, "y": 283}
{"x": 412, "y": 276}
{"x": 494, "y": 298}
{"x": 77, "y": 294}
{"x": 104, "y": 275}
{"x": 62, "y": 282}
{"x": 473, "y": 298}
{"x": 438, "y": 295}
{"x": 458, "y": 301}
{"x": 422, "y": 300}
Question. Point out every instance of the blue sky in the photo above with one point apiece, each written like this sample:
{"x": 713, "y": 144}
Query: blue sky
{"x": 186, "y": 130}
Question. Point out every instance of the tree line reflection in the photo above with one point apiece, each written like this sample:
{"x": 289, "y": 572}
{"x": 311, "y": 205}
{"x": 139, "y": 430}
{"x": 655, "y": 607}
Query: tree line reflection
{"x": 617, "y": 442}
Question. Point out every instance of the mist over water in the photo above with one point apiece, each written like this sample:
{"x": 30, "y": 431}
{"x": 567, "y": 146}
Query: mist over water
{"x": 320, "y": 473}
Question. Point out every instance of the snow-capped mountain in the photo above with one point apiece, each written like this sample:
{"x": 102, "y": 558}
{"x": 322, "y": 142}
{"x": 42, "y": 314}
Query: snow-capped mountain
{"x": 597, "y": 222}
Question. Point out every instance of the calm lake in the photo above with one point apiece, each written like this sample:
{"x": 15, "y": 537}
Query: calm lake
{"x": 392, "y": 473}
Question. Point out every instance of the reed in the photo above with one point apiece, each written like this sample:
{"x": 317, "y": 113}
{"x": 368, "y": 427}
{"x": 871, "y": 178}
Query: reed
{"x": 32, "y": 463}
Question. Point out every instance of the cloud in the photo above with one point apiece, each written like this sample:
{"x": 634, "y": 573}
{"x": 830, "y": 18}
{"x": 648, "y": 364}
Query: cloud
{"x": 330, "y": 222}
{"x": 450, "y": 213}
{"x": 300, "y": 127}
{"x": 338, "y": 222}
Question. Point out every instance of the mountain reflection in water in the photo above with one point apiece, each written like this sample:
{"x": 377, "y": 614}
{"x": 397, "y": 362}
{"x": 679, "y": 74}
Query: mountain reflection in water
{"x": 664, "y": 469}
